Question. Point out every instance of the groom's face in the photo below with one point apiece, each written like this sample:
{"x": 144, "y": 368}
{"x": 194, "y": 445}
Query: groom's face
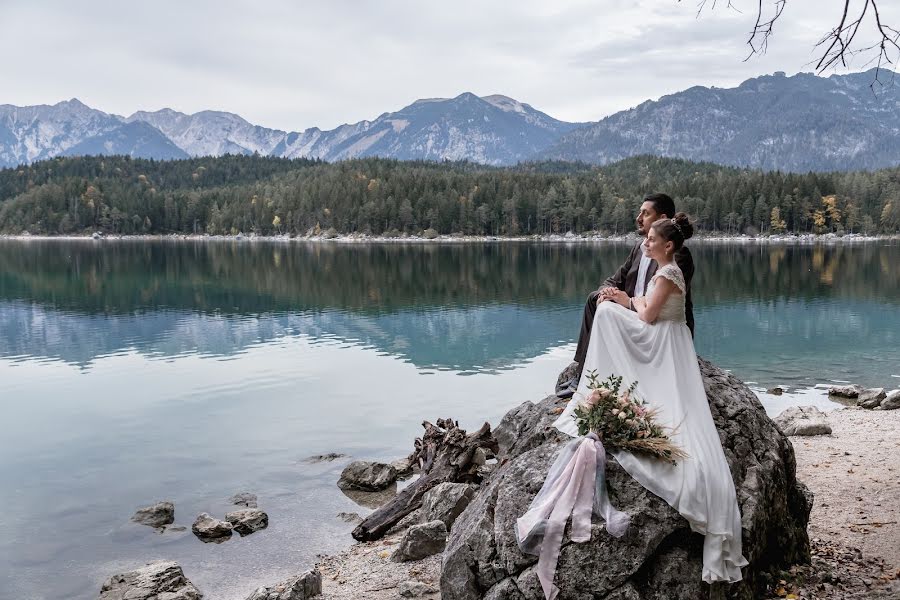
{"x": 646, "y": 217}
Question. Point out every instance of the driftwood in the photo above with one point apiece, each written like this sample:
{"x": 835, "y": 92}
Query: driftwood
{"x": 444, "y": 453}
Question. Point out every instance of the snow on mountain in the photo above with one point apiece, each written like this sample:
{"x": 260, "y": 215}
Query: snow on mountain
{"x": 211, "y": 133}
{"x": 31, "y": 133}
{"x": 797, "y": 123}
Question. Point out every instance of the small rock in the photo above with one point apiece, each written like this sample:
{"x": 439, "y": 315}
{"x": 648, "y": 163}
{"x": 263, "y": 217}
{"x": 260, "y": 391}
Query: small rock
{"x": 247, "y": 520}
{"x": 157, "y": 580}
{"x": 157, "y": 515}
{"x": 350, "y": 517}
{"x": 301, "y": 587}
{"x": 368, "y": 476}
{"x": 244, "y": 499}
{"x": 891, "y": 401}
{"x": 870, "y": 398}
{"x": 211, "y": 529}
{"x": 421, "y": 541}
{"x": 415, "y": 589}
{"x": 803, "y": 420}
{"x": 845, "y": 391}
{"x": 775, "y": 391}
{"x": 446, "y": 501}
{"x": 404, "y": 467}
{"x": 331, "y": 456}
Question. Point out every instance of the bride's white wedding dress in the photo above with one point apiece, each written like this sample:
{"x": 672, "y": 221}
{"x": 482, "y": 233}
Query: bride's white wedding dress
{"x": 662, "y": 359}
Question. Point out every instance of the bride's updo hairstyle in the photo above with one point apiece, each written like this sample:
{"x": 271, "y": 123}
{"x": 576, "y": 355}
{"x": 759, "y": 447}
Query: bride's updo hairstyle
{"x": 675, "y": 230}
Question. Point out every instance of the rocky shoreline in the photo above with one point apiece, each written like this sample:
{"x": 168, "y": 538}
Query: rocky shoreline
{"x": 844, "y": 544}
{"x": 361, "y": 238}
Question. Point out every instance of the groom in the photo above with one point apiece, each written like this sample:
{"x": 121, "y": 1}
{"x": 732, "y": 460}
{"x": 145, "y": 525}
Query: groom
{"x": 631, "y": 281}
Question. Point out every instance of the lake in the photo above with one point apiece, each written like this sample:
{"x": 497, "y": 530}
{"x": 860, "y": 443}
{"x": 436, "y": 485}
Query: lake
{"x": 135, "y": 371}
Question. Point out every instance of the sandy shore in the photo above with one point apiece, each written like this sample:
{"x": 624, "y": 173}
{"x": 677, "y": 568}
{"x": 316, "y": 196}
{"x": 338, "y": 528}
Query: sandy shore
{"x": 854, "y": 526}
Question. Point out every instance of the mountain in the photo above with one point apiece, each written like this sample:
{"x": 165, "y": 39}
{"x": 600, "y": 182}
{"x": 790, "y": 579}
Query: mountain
{"x": 797, "y": 123}
{"x": 32, "y": 133}
{"x": 138, "y": 140}
{"x": 773, "y": 122}
{"x": 493, "y": 130}
{"x": 211, "y": 133}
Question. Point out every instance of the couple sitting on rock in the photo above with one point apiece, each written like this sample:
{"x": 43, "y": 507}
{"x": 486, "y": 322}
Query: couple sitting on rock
{"x": 639, "y": 325}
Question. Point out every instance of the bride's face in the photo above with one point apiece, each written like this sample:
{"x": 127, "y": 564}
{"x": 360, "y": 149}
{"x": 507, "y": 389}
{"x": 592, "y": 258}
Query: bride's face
{"x": 656, "y": 247}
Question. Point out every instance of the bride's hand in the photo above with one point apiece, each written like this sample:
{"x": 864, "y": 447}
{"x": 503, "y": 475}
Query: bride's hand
{"x": 639, "y": 302}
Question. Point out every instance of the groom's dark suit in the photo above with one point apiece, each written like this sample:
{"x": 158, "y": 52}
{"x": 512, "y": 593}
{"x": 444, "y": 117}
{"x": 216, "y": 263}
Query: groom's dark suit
{"x": 625, "y": 279}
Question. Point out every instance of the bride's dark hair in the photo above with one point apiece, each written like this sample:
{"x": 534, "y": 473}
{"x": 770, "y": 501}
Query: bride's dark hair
{"x": 675, "y": 230}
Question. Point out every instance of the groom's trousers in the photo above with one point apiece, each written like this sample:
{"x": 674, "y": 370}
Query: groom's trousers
{"x": 587, "y": 323}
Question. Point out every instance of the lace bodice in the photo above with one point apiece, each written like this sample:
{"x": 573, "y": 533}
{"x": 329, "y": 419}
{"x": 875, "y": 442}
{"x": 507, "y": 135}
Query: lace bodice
{"x": 673, "y": 309}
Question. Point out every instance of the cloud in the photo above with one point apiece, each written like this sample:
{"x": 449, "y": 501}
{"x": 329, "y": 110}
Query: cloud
{"x": 293, "y": 65}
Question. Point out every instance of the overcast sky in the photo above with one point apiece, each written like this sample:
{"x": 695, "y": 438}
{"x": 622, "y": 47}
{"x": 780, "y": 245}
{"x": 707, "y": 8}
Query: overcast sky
{"x": 296, "y": 64}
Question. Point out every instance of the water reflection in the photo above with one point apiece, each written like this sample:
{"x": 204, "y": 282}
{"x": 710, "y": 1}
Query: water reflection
{"x": 469, "y": 308}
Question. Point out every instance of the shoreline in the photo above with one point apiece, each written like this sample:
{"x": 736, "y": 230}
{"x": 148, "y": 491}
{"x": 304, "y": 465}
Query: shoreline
{"x": 853, "y": 527}
{"x": 569, "y": 238}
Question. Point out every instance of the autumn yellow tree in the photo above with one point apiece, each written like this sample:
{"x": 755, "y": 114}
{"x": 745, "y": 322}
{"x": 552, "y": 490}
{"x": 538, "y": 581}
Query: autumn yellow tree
{"x": 777, "y": 223}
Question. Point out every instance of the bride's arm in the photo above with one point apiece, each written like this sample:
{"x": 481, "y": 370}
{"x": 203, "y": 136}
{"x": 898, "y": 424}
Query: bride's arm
{"x": 648, "y": 308}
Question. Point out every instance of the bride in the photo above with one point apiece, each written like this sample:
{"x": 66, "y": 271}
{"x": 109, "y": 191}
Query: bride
{"x": 653, "y": 346}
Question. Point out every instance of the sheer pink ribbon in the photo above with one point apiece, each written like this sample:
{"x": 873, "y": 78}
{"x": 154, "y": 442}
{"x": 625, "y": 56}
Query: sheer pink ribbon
{"x": 576, "y": 486}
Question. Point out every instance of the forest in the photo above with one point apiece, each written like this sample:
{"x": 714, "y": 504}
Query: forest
{"x": 235, "y": 194}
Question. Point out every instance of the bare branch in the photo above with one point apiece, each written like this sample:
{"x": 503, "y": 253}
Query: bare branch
{"x": 840, "y": 44}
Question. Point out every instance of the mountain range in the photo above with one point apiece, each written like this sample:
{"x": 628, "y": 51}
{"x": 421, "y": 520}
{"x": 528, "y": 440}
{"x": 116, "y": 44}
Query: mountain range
{"x": 799, "y": 123}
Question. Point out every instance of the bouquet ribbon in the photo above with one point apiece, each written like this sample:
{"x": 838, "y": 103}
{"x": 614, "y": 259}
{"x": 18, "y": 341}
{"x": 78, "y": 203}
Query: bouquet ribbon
{"x": 576, "y": 486}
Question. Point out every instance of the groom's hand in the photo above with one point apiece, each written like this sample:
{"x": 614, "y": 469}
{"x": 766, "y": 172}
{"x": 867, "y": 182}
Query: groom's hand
{"x": 618, "y": 296}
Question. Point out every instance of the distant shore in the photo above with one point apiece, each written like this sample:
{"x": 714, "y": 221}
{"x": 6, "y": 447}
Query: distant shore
{"x": 351, "y": 238}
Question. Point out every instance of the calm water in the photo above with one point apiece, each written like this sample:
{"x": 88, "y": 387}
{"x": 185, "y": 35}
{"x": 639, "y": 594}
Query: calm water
{"x": 132, "y": 372}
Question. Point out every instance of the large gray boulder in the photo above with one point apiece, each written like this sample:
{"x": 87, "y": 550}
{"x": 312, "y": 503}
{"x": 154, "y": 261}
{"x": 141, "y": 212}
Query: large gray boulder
{"x": 659, "y": 557}
{"x": 157, "y": 515}
{"x": 301, "y": 587}
{"x": 367, "y": 476}
{"x": 421, "y": 541}
{"x": 446, "y": 501}
{"x": 163, "y": 580}
{"x": 803, "y": 420}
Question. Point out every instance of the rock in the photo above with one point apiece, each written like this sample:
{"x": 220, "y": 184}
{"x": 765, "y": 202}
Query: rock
{"x": 446, "y": 501}
{"x": 163, "y": 580}
{"x": 415, "y": 589}
{"x": 567, "y": 374}
{"x": 845, "y": 391}
{"x": 244, "y": 499}
{"x": 803, "y": 420}
{"x": 349, "y": 517}
{"x": 301, "y": 587}
{"x": 158, "y": 515}
{"x": 870, "y": 398}
{"x": 891, "y": 401}
{"x": 659, "y": 557}
{"x": 331, "y": 456}
{"x": 96, "y": 235}
{"x": 413, "y": 518}
{"x": 371, "y": 500}
{"x": 775, "y": 391}
{"x": 404, "y": 467}
{"x": 211, "y": 529}
{"x": 367, "y": 476}
{"x": 421, "y": 541}
{"x": 247, "y": 520}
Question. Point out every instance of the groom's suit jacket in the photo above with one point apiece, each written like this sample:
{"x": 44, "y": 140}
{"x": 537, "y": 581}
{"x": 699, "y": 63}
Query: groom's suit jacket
{"x": 626, "y": 277}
